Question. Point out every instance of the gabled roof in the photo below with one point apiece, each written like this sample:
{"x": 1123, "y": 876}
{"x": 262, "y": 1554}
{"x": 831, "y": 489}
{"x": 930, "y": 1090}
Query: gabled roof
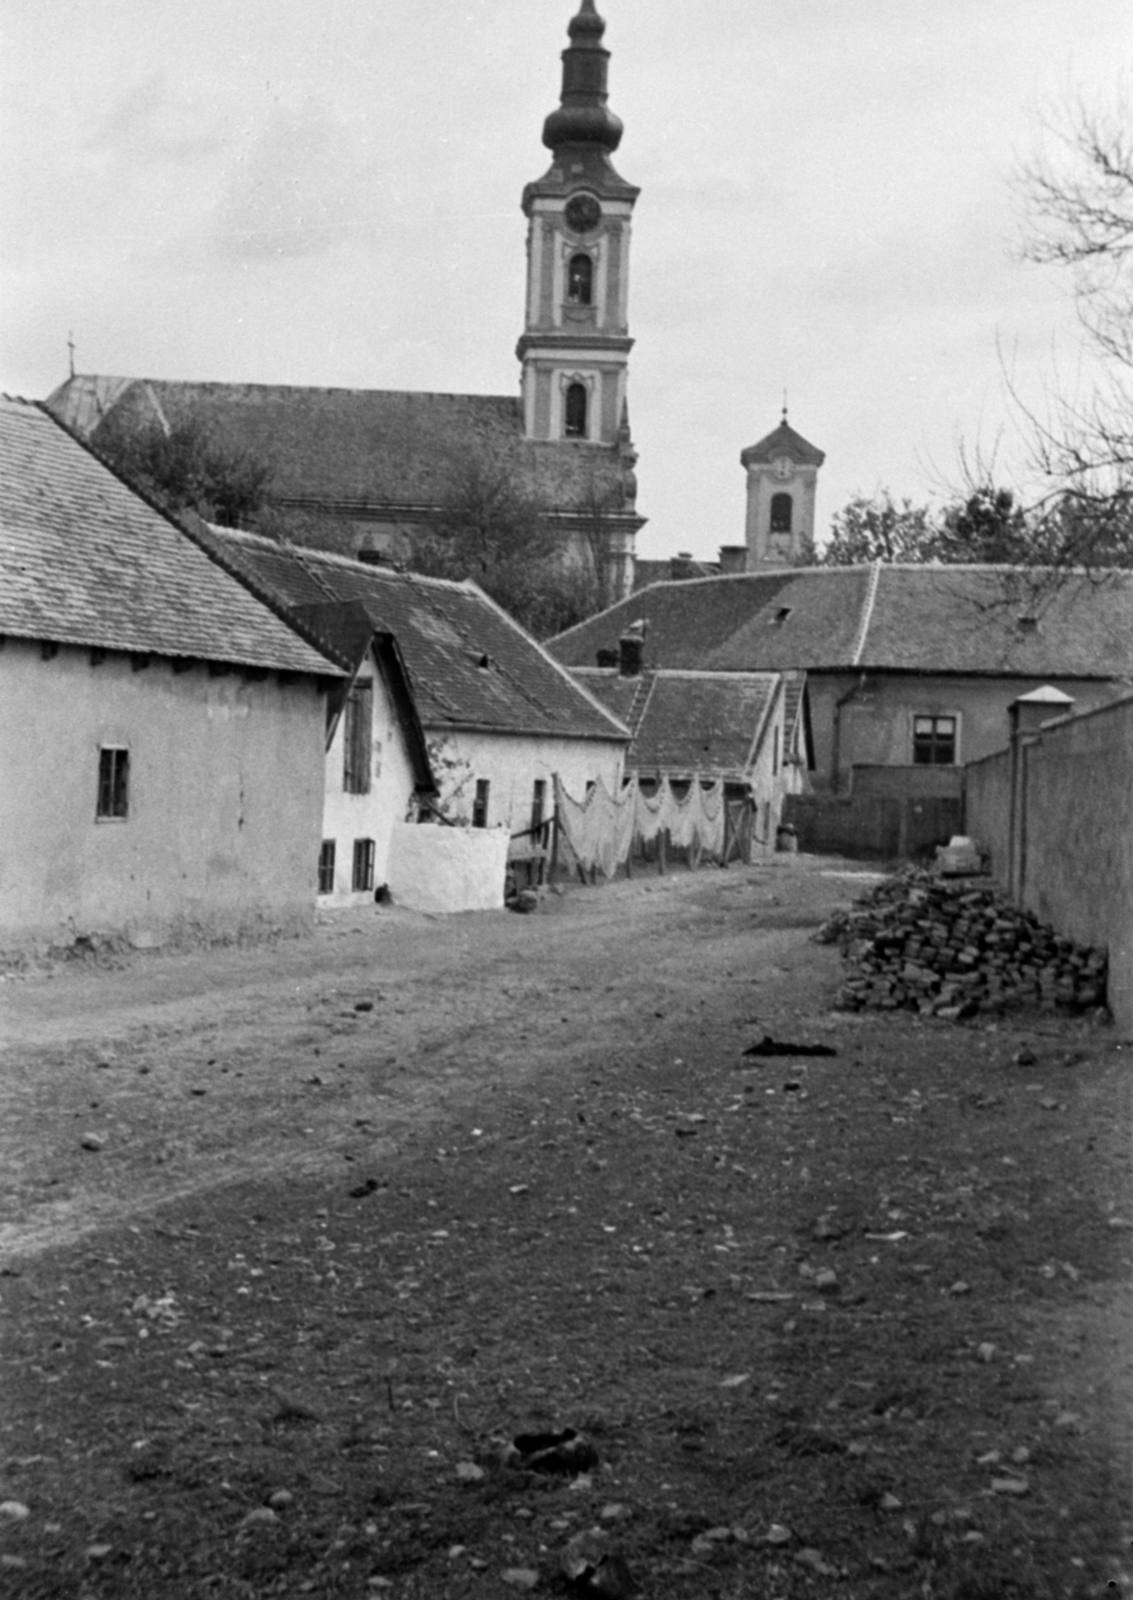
{"x": 354, "y": 448}
{"x": 999, "y": 621}
{"x": 685, "y": 722}
{"x": 86, "y": 561}
{"x": 470, "y": 665}
{"x": 783, "y": 441}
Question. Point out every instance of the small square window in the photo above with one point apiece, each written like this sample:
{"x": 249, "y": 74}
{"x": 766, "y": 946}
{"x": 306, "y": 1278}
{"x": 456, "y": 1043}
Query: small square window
{"x": 113, "y": 783}
{"x": 363, "y": 875}
{"x": 934, "y": 741}
{"x": 326, "y": 867}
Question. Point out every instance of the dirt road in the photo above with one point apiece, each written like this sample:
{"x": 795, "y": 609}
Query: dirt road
{"x": 295, "y": 1239}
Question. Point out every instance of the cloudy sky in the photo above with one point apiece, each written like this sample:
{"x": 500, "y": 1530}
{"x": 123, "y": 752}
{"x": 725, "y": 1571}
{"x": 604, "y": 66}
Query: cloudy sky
{"x": 327, "y": 192}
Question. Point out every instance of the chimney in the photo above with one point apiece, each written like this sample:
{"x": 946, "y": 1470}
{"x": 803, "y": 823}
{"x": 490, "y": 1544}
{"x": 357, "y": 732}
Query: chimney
{"x": 733, "y": 558}
{"x": 631, "y": 650}
{"x": 371, "y": 557}
{"x": 681, "y": 565}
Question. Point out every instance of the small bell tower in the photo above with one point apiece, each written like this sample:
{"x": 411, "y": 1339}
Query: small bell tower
{"x": 575, "y": 345}
{"x": 782, "y": 477}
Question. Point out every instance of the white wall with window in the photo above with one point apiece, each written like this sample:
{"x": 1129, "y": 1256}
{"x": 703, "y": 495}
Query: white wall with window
{"x": 501, "y": 770}
{"x": 153, "y": 800}
{"x": 369, "y": 787}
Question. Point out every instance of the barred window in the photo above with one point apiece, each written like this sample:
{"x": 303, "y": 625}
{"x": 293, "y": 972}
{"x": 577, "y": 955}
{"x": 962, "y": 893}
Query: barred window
{"x": 934, "y": 741}
{"x": 357, "y": 739}
{"x": 363, "y": 875}
{"x": 113, "y": 783}
{"x": 326, "y": 867}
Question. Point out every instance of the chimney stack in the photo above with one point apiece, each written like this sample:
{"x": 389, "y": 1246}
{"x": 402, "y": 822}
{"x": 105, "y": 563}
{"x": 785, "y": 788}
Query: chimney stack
{"x": 733, "y": 558}
{"x": 631, "y": 650}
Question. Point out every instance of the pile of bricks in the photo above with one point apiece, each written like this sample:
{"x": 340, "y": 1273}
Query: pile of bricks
{"x": 955, "y": 948}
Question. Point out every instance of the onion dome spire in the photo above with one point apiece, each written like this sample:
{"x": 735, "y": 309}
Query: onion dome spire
{"x": 583, "y": 117}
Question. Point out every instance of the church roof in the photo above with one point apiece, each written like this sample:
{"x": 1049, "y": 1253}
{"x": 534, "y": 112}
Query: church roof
{"x": 783, "y": 441}
{"x": 86, "y": 561}
{"x": 979, "y": 620}
{"x": 353, "y": 448}
{"x": 470, "y": 665}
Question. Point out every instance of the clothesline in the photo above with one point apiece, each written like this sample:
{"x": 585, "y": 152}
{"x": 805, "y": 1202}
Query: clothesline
{"x": 600, "y": 830}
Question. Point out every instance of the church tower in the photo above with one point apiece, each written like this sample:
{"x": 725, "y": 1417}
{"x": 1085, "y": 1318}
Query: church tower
{"x": 782, "y": 475}
{"x": 575, "y": 345}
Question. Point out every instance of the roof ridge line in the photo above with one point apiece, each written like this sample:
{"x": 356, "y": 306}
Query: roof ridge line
{"x": 867, "y": 615}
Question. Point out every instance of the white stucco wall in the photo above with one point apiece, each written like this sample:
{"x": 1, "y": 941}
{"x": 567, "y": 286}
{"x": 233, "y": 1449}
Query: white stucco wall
{"x": 511, "y": 763}
{"x": 439, "y": 870}
{"x": 347, "y": 817}
{"x": 225, "y": 800}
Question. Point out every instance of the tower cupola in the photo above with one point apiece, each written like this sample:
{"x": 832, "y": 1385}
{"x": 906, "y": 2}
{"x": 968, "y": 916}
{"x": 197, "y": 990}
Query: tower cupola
{"x": 583, "y": 118}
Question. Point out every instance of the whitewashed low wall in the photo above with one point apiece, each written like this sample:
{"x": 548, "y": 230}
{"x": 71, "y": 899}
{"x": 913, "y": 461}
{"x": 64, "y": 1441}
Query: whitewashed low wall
{"x": 438, "y": 869}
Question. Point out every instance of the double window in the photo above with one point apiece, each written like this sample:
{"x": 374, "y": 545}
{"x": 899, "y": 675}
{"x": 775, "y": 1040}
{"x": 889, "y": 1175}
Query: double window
{"x": 113, "y": 803}
{"x": 934, "y": 741}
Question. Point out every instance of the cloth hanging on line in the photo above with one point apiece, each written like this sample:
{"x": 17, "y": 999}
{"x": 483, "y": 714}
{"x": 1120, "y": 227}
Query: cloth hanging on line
{"x": 600, "y": 829}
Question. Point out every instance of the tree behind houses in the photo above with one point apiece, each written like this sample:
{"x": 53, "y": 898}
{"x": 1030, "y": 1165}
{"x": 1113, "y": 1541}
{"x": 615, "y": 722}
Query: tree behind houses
{"x": 188, "y": 466}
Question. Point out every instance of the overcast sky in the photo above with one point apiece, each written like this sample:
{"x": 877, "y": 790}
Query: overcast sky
{"x": 327, "y": 192}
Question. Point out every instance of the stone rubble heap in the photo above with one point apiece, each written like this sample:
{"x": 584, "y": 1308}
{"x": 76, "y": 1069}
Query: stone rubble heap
{"x": 954, "y": 948}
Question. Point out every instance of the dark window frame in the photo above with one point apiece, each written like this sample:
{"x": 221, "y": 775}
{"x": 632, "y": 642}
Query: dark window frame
{"x": 358, "y": 739}
{"x": 580, "y": 279}
{"x": 782, "y": 512}
{"x": 538, "y": 804}
{"x": 481, "y": 802}
{"x": 576, "y": 410}
{"x": 113, "y": 801}
{"x": 362, "y": 872}
{"x": 326, "y": 866}
{"x": 936, "y": 739}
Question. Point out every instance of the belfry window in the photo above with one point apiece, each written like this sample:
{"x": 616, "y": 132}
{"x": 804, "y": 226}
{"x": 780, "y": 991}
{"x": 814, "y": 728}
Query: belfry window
{"x": 580, "y": 280}
{"x": 781, "y": 510}
{"x": 575, "y": 411}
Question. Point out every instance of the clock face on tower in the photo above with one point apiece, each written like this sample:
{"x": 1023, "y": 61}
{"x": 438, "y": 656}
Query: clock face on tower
{"x": 582, "y": 213}
{"x": 783, "y": 467}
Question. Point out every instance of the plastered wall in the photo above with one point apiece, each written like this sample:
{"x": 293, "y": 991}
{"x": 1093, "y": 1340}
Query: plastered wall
{"x": 511, "y": 763}
{"x": 873, "y": 726}
{"x": 441, "y": 870}
{"x": 225, "y": 800}
{"x": 347, "y": 817}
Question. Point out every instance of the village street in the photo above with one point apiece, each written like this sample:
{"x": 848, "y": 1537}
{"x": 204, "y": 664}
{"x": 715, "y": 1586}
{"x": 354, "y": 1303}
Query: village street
{"x": 294, "y": 1237}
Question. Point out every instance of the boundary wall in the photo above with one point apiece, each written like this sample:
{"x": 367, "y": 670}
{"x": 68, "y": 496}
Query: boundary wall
{"x": 1056, "y": 812}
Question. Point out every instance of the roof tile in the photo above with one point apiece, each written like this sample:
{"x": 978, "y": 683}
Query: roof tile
{"x": 86, "y": 561}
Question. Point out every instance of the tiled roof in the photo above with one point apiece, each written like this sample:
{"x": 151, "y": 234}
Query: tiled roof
{"x": 86, "y": 561}
{"x": 469, "y": 664}
{"x": 684, "y": 722}
{"x": 353, "y": 447}
{"x": 939, "y": 619}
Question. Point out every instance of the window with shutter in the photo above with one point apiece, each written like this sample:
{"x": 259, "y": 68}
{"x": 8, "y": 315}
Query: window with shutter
{"x": 358, "y": 739}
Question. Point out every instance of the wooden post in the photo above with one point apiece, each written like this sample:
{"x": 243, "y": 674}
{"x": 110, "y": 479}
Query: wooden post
{"x": 554, "y": 866}
{"x": 662, "y": 839}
